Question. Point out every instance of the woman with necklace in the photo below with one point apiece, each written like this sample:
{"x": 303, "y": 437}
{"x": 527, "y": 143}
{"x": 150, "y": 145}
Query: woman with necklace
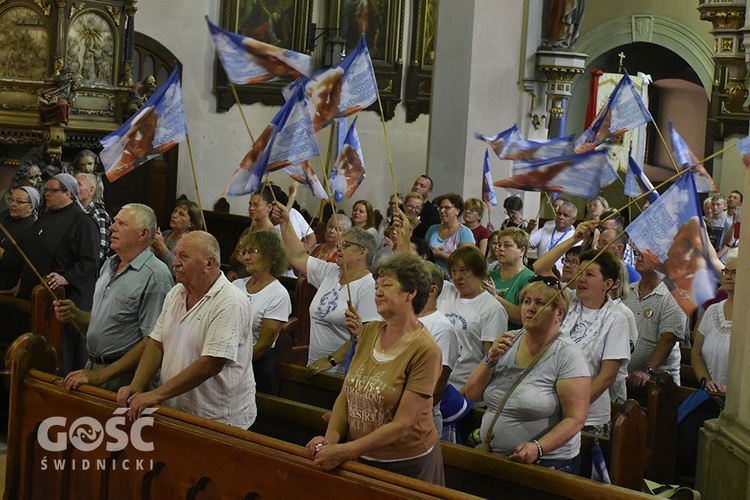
{"x": 350, "y": 273}
{"x": 383, "y": 412}
{"x": 506, "y": 282}
{"x": 265, "y": 260}
{"x": 476, "y": 315}
{"x": 710, "y": 353}
{"x": 446, "y": 237}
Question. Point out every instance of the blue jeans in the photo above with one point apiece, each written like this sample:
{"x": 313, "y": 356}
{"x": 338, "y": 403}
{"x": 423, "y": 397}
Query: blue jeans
{"x": 570, "y": 465}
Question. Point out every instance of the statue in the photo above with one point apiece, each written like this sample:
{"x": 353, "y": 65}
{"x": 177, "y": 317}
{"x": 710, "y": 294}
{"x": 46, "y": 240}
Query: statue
{"x": 55, "y": 103}
{"x": 564, "y": 19}
{"x": 87, "y": 162}
{"x": 126, "y": 78}
{"x": 141, "y": 93}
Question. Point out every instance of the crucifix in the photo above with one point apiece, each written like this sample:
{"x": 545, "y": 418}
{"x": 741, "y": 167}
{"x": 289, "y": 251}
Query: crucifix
{"x": 621, "y": 55}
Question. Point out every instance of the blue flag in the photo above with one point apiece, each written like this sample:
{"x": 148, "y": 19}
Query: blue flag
{"x": 636, "y": 182}
{"x": 349, "y": 170}
{"x": 623, "y": 111}
{"x": 155, "y": 129}
{"x": 246, "y": 60}
{"x": 287, "y": 141}
{"x": 488, "y": 190}
{"x": 525, "y": 150}
{"x": 671, "y": 236}
{"x": 342, "y": 90}
{"x": 499, "y": 142}
{"x": 304, "y": 174}
{"x": 685, "y": 158}
{"x": 583, "y": 175}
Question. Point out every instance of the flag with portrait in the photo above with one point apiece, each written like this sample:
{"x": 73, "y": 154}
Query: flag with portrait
{"x": 636, "y": 182}
{"x": 349, "y": 170}
{"x": 671, "y": 237}
{"x": 500, "y": 141}
{"x": 685, "y": 158}
{"x": 246, "y": 60}
{"x": 155, "y": 129}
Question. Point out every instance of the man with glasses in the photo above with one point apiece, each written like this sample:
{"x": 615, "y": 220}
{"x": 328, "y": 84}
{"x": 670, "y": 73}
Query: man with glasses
{"x": 549, "y": 236}
{"x": 660, "y": 322}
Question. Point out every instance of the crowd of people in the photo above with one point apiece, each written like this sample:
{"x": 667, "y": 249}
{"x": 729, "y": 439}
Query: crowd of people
{"x": 421, "y": 312}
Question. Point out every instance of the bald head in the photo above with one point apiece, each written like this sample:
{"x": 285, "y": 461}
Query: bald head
{"x": 86, "y": 188}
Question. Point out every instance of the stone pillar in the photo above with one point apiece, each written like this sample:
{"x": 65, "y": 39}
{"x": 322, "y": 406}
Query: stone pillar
{"x": 477, "y": 87}
{"x": 560, "y": 67}
{"x": 723, "y": 469}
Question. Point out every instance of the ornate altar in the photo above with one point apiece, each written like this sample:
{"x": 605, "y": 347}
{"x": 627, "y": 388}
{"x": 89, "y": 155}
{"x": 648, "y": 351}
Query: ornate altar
{"x": 62, "y": 75}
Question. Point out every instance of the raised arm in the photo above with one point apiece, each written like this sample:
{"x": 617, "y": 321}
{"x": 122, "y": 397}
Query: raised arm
{"x": 294, "y": 247}
{"x": 544, "y": 265}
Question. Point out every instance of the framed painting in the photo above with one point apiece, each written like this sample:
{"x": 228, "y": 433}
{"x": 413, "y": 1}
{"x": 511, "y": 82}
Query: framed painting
{"x": 419, "y": 74}
{"x": 382, "y": 22}
{"x": 279, "y": 22}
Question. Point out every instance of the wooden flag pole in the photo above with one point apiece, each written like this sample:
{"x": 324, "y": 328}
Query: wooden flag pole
{"x": 36, "y": 272}
{"x": 195, "y": 181}
{"x": 387, "y": 146}
{"x": 669, "y": 151}
{"x": 239, "y": 105}
{"x": 714, "y": 155}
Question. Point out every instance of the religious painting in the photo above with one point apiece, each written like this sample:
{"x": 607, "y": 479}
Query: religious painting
{"x": 382, "y": 23}
{"x": 24, "y": 44}
{"x": 283, "y": 23}
{"x": 91, "y": 49}
{"x": 632, "y": 139}
{"x": 419, "y": 75}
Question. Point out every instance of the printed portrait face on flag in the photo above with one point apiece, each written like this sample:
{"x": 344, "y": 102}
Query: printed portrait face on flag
{"x": 155, "y": 129}
{"x": 349, "y": 170}
{"x": 670, "y": 236}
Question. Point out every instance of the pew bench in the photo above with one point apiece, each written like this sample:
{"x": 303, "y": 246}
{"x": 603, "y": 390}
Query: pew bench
{"x": 466, "y": 469}
{"x": 174, "y": 455}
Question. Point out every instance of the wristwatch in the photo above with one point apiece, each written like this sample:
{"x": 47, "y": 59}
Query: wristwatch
{"x": 331, "y": 360}
{"x": 648, "y": 370}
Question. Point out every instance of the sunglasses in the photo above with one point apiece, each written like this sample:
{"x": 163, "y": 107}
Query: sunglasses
{"x": 547, "y": 280}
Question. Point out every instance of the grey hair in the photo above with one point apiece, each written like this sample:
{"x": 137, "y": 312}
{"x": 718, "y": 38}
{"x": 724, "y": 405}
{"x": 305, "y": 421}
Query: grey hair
{"x": 364, "y": 239}
{"x": 89, "y": 177}
{"x": 209, "y": 244}
{"x": 144, "y": 217}
{"x": 345, "y": 221}
{"x": 572, "y": 206}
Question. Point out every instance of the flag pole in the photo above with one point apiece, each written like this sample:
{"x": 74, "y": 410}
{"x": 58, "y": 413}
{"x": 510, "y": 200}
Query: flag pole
{"x": 387, "y": 145}
{"x": 714, "y": 155}
{"x": 331, "y": 199}
{"x": 195, "y": 181}
{"x": 239, "y": 106}
{"x": 663, "y": 141}
{"x": 36, "y": 272}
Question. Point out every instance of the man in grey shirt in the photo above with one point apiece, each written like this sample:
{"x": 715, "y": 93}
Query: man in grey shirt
{"x": 128, "y": 298}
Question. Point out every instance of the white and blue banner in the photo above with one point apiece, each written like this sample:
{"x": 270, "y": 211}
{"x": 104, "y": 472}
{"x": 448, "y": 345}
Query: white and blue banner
{"x": 349, "y": 170}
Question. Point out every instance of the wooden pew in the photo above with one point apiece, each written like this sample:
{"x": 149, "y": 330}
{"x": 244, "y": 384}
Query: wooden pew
{"x": 659, "y": 399}
{"x": 190, "y": 457}
{"x": 305, "y": 294}
{"x": 41, "y": 317}
{"x": 467, "y": 470}
{"x": 625, "y": 449}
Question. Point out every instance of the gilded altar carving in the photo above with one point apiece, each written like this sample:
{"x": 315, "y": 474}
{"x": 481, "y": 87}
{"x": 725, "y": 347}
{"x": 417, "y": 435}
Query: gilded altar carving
{"x": 24, "y": 45}
{"x": 75, "y": 9}
{"x": 91, "y": 49}
{"x": 44, "y": 6}
{"x": 115, "y": 13}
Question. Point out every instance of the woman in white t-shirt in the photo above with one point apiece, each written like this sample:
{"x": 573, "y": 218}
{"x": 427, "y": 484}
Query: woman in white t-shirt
{"x": 329, "y": 338}
{"x": 597, "y": 325}
{"x": 265, "y": 259}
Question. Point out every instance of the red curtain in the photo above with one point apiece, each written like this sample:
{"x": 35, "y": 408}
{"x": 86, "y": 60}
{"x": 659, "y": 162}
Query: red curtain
{"x": 593, "y": 93}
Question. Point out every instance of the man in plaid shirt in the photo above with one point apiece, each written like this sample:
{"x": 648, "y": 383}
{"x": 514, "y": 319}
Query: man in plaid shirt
{"x": 95, "y": 210}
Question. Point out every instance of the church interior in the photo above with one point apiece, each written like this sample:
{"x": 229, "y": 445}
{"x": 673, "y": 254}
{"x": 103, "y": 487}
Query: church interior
{"x": 73, "y": 72}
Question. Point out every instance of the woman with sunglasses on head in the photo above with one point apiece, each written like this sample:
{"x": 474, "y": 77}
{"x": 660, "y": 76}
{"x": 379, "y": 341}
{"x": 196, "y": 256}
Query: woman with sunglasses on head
{"x": 450, "y": 234}
{"x": 476, "y": 315}
{"x": 710, "y": 354}
{"x": 265, "y": 260}
{"x": 541, "y": 420}
{"x": 328, "y": 334}
{"x": 506, "y": 282}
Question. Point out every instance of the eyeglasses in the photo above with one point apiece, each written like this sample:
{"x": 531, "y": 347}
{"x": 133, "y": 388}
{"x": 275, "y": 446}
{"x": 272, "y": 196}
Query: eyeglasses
{"x": 52, "y": 190}
{"x": 729, "y": 272}
{"x": 416, "y": 208}
{"x": 18, "y": 202}
{"x": 547, "y": 280}
{"x": 347, "y": 244}
{"x": 249, "y": 251}
{"x": 445, "y": 208}
{"x": 636, "y": 253}
{"x": 570, "y": 262}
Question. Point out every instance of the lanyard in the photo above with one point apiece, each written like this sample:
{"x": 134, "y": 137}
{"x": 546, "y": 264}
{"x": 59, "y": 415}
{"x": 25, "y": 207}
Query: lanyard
{"x": 552, "y": 242}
